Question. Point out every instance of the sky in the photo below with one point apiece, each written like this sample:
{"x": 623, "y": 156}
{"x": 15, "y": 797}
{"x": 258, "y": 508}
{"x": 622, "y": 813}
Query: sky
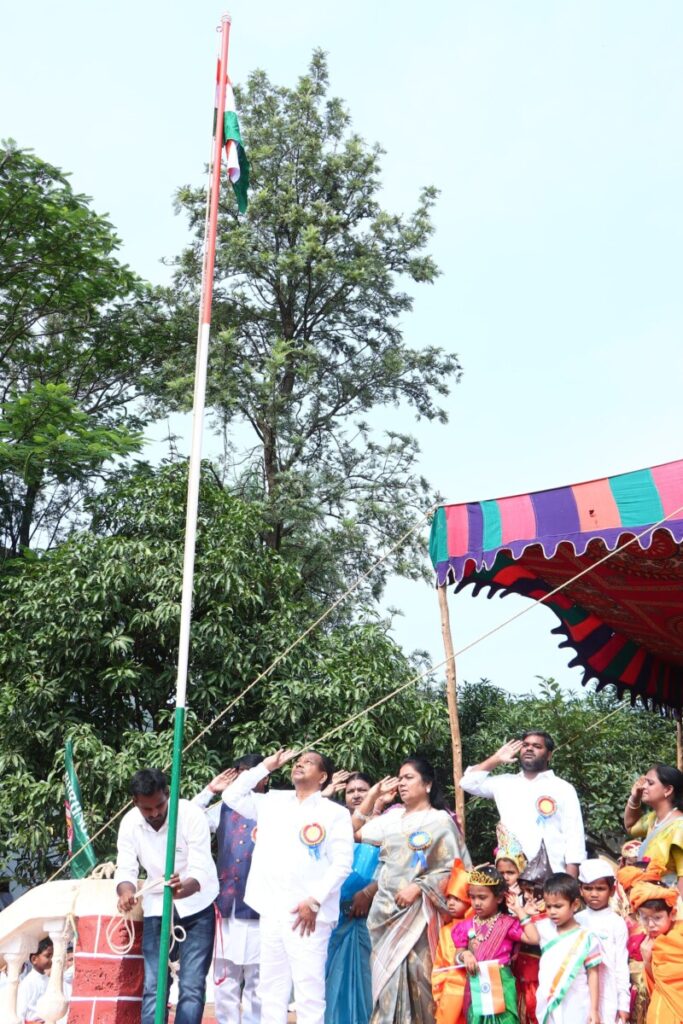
{"x": 551, "y": 129}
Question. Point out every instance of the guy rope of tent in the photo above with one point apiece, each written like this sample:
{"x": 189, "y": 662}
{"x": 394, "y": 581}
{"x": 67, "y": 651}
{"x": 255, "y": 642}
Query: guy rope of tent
{"x": 404, "y": 686}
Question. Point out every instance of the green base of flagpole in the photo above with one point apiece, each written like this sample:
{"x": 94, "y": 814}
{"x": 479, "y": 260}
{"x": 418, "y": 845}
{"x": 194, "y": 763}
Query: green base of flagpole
{"x": 167, "y": 915}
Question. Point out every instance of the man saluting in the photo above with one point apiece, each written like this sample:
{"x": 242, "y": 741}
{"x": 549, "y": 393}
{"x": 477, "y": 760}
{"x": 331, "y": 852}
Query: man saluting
{"x": 535, "y": 805}
{"x": 302, "y": 854}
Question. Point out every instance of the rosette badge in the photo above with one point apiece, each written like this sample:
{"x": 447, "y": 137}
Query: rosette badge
{"x": 313, "y": 836}
{"x": 546, "y": 807}
{"x": 419, "y": 841}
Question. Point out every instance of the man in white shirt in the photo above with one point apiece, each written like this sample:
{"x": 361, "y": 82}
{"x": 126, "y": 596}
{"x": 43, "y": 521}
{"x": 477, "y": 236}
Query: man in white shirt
{"x": 142, "y": 840}
{"x": 535, "y": 805}
{"x": 302, "y": 854}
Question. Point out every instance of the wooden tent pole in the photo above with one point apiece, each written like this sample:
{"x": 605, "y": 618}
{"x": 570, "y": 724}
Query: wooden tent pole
{"x": 679, "y": 745}
{"x": 452, "y": 700}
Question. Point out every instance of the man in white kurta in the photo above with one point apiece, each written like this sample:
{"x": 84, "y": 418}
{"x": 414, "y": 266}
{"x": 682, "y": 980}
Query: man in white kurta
{"x": 302, "y": 854}
{"x": 535, "y": 805}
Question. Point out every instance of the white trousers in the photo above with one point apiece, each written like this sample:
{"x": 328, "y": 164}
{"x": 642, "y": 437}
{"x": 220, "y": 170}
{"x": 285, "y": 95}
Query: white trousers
{"x": 288, "y": 958}
{"x": 229, "y": 995}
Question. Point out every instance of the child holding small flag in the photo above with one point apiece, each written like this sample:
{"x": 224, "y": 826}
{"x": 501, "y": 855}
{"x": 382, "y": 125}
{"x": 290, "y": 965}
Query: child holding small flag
{"x": 484, "y": 946}
{"x": 449, "y": 982}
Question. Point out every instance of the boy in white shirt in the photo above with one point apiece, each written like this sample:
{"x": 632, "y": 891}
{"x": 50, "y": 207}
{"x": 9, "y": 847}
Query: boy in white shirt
{"x": 34, "y": 985}
{"x": 597, "y": 880}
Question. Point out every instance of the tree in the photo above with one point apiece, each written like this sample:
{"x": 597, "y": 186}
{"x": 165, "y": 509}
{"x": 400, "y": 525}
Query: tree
{"x": 601, "y": 756}
{"x": 88, "y": 649}
{"x": 79, "y": 335}
{"x": 311, "y": 294}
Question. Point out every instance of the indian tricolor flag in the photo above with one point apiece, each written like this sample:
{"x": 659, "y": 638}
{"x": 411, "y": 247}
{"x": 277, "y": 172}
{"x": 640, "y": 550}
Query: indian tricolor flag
{"x": 486, "y": 989}
{"x": 238, "y": 165}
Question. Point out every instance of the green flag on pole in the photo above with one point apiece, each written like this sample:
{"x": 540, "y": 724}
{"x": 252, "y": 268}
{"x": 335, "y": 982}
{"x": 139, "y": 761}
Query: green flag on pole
{"x": 76, "y": 828}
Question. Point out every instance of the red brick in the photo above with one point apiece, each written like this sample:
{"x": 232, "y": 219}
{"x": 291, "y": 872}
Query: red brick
{"x": 107, "y": 1011}
{"x": 95, "y": 976}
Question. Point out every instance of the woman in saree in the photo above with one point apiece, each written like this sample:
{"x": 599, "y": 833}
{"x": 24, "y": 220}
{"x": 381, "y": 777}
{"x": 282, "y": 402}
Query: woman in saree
{"x": 348, "y": 990}
{"x": 418, "y": 842}
{"x": 661, "y": 829}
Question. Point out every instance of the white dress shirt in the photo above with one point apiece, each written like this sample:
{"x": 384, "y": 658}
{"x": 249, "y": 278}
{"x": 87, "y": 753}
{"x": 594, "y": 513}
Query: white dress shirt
{"x": 139, "y": 843}
{"x": 615, "y": 982}
{"x": 531, "y": 818}
{"x": 284, "y": 871}
{"x": 31, "y": 989}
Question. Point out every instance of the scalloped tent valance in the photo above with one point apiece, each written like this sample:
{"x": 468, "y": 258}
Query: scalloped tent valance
{"x": 624, "y": 620}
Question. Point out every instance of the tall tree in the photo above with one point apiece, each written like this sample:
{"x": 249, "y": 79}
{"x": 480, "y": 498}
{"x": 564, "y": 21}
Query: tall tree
{"x": 313, "y": 288}
{"x": 79, "y": 334}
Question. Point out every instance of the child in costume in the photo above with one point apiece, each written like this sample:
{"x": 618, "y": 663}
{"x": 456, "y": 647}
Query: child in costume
{"x": 568, "y": 982}
{"x": 598, "y": 883}
{"x": 448, "y": 982}
{"x": 526, "y": 964}
{"x": 509, "y": 858}
{"x": 484, "y": 946}
{"x": 35, "y": 983}
{"x": 662, "y": 950}
{"x": 632, "y": 871}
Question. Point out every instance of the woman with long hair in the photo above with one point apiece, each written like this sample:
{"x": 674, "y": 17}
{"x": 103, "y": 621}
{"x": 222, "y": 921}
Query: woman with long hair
{"x": 418, "y": 842}
{"x": 661, "y": 829}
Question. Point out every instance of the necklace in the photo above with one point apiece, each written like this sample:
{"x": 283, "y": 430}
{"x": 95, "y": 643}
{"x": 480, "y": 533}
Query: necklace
{"x": 660, "y": 821}
{"x": 482, "y": 928}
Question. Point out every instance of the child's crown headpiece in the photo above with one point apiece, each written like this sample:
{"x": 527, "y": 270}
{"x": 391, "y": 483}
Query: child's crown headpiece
{"x": 478, "y": 877}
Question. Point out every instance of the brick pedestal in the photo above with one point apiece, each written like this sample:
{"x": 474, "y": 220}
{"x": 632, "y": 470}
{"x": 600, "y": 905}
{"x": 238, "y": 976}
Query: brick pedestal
{"x": 107, "y": 988}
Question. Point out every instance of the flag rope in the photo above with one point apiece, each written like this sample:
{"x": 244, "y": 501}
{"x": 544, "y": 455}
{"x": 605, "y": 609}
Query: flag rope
{"x": 414, "y": 679}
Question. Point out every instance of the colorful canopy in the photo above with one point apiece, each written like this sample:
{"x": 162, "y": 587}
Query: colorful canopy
{"x": 624, "y": 619}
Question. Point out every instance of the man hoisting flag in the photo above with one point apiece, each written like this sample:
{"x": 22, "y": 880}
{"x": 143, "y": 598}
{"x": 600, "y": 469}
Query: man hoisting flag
{"x": 76, "y": 828}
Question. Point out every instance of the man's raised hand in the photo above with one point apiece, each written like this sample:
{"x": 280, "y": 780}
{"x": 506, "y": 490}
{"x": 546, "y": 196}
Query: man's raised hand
{"x": 280, "y": 757}
{"x": 507, "y": 754}
{"x": 222, "y": 781}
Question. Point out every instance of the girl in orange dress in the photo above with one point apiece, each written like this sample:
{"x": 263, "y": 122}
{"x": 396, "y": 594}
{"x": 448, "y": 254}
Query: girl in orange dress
{"x": 449, "y": 984}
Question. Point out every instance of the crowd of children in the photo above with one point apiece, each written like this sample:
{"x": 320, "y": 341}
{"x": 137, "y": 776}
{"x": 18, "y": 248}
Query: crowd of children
{"x": 519, "y": 948}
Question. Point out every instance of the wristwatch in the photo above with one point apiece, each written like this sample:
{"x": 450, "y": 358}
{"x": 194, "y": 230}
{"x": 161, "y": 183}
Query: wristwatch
{"x": 313, "y": 904}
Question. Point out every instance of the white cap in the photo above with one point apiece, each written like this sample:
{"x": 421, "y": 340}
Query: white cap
{"x": 595, "y": 868}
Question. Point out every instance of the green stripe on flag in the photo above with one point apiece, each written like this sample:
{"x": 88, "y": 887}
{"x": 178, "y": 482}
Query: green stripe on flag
{"x": 637, "y": 498}
{"x": 231, "y": 127}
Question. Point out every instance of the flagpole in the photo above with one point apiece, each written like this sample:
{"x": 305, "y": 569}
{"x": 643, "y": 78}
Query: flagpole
{"x": 191, "y": 524}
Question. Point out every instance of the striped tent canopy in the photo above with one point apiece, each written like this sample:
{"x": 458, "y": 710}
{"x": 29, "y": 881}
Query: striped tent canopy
{"x": 624, "y": 619}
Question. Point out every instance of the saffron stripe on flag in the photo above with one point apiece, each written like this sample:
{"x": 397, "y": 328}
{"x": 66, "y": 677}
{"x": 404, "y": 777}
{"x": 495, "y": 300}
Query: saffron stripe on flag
{"x": 486, "y": 989}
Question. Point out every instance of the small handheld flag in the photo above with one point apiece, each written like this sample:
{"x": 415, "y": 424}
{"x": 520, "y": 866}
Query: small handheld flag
{"x": 76, "y": 828}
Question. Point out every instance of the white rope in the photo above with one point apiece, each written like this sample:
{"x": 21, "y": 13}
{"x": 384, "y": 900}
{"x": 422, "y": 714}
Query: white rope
{"x": 178, "y": 933}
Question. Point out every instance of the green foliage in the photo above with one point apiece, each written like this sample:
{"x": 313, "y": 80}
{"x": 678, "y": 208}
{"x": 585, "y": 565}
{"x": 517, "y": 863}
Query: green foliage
{"x": 79, "y": 335}
{"x": 311, "y": 295}
{"x": 89, "y": 644}
{"x": 600, "y": 756}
